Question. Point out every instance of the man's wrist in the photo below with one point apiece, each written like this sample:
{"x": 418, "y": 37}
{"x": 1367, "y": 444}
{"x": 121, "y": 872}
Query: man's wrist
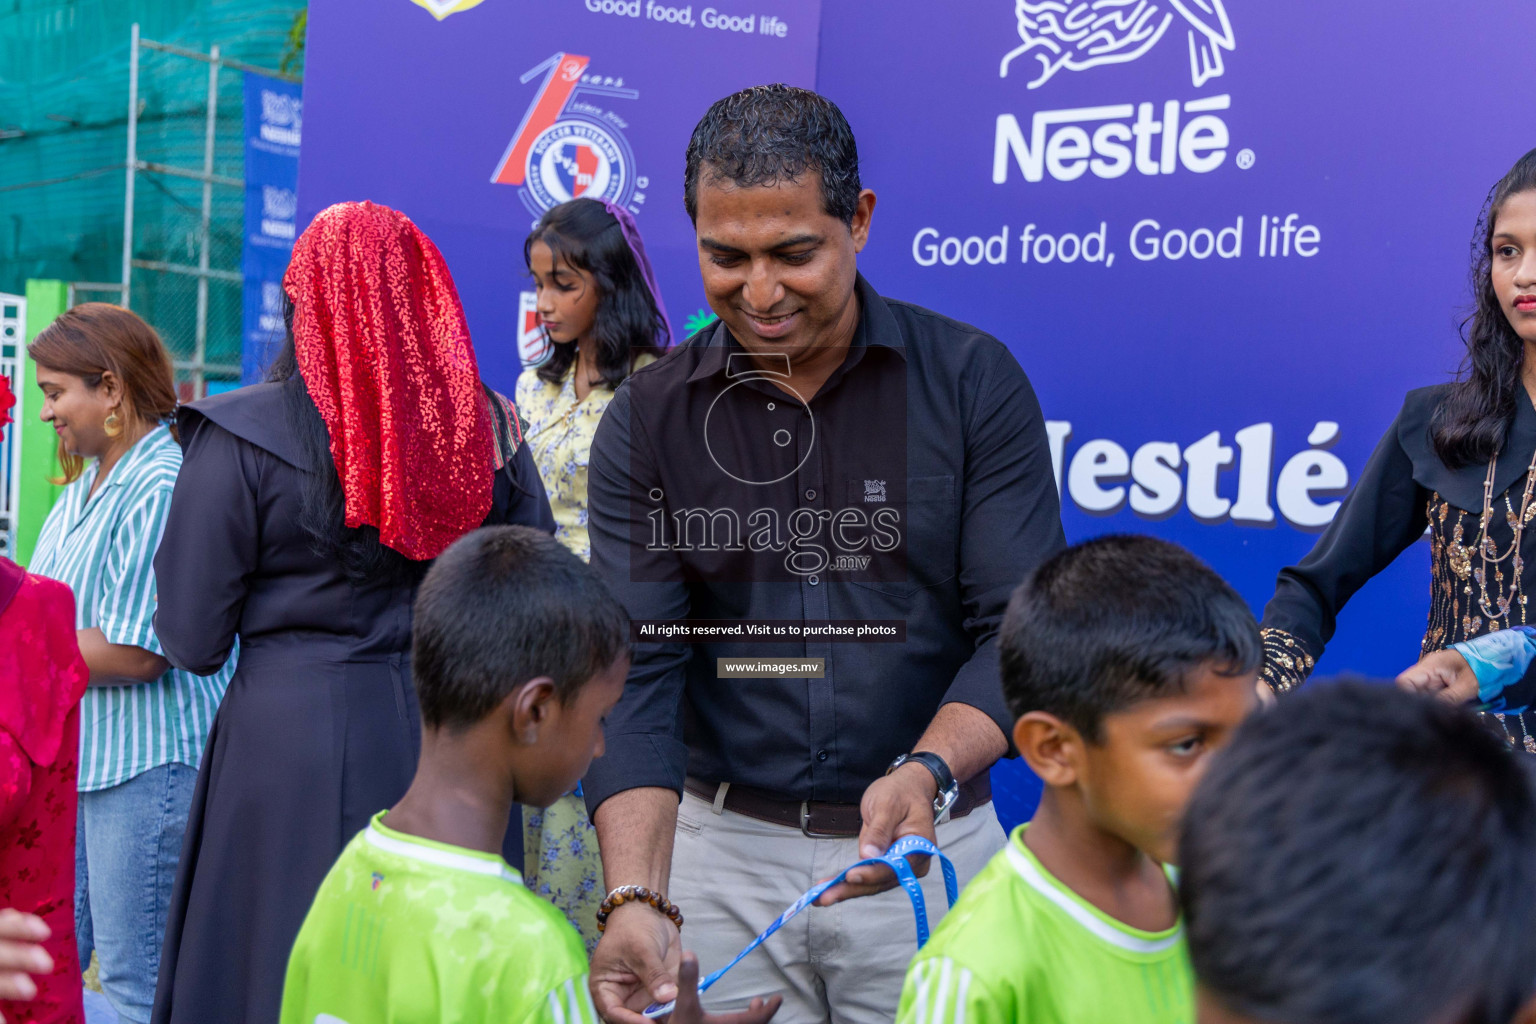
{"x": 637, "y": 895}
{"x": 946, "y": 790}
{"x": 913, "y": 770}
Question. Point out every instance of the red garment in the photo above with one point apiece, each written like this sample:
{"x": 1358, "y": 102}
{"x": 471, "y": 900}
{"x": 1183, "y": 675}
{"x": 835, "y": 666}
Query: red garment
{"x": 7, "y": 399}
{"x": 42, "y": 677}
{"x": 384, "y": 350}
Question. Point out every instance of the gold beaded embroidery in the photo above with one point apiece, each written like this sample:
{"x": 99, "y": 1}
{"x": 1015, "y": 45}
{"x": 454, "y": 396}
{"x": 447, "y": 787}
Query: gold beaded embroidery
{"x": 1470, "y": 592}
{"x": 1468, "y": 600}
{"x": 1287, "y": 662}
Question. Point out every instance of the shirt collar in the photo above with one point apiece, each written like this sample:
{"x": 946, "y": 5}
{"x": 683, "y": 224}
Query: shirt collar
{"x": 144, "y": 449}
{"x": 428, "y": 851}
{"x": 877, "y": 329}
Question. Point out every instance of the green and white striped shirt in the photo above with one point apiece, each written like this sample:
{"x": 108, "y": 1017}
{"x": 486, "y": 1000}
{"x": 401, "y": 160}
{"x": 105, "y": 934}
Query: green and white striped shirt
{"x": 103, "y": 547}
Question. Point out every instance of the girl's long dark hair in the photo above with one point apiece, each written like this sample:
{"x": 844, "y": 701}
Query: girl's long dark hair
{"x": 322, "y": 505}
{"x": 628, "y": 325}
{"x": 1472, "y": 419}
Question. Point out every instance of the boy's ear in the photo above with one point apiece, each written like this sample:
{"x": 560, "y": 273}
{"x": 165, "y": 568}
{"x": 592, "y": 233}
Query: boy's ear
{"x": 1050, "y": 747}
{"x": 530, "y": 709}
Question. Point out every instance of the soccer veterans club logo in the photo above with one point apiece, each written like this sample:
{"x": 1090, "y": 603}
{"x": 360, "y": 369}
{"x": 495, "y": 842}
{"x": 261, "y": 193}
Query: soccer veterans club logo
{"x": 568, "y": 145}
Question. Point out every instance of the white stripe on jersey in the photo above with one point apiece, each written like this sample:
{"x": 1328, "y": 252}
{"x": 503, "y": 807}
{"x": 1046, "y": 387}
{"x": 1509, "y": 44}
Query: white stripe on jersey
{"x": 941, "y": 1000}
{"x": 920, "y": 1005}
{"x": 960, "y": 995}
{"x": 942, "y": 989}
{"x": 572, "y": 1004}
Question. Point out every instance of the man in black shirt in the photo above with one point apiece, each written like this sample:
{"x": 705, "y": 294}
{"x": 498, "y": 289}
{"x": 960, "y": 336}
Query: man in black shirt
{"x": 824, "y": 475}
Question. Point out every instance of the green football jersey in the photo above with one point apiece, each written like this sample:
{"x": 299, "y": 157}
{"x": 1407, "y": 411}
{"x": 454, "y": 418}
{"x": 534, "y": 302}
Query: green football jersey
{"x": 408, "y": 931}
{"x": 1021, "y": 948}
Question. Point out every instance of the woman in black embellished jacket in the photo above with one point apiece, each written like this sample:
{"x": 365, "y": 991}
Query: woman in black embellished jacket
{"x": 1460, "y": 460}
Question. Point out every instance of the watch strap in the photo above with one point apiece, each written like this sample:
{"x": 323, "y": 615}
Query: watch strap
{"x": 936, "y": 765}
{"x": 948, "y": 787}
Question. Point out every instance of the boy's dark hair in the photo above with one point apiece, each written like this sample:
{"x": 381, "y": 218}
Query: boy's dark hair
{"x": 1362, "y": 855}
{"x": 770, "y": 134}
{"x": 1117, "y": 620}
{"x": 503, "y": 605}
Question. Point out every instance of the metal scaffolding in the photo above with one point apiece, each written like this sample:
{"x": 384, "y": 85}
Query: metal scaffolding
{"x": 197, "y": 367}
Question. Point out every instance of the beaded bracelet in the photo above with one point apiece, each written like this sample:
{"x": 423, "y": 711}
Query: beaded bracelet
{"x": 637, "y": 894}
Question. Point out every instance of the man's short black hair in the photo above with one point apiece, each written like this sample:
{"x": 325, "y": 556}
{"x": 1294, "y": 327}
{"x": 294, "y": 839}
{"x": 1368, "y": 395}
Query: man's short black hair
{"x": 1117, "y": 620}
{"x": 770, "y": 134}
{"x": 503, "y": 605}
{"x": 1360, "y": 855}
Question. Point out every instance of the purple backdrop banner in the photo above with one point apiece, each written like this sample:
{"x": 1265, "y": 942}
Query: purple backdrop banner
{"x": 1223, "y": 236}
{"x": 474, "y": 117}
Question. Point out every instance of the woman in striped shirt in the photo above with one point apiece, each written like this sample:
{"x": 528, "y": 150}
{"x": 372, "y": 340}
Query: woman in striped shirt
{"x": 108, "y": 391}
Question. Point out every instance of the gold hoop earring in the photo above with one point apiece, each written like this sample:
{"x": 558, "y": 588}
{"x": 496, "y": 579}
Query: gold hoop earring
{"x": 112, "y": 425}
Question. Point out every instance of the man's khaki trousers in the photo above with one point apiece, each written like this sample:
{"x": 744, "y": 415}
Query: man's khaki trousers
{"x": 732, "y": 876}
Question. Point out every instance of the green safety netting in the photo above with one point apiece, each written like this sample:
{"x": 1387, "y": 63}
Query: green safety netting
{"x": 64, "y": 72}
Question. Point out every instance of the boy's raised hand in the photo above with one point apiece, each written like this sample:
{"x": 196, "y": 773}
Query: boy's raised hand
{"x": 689, "y": 1011}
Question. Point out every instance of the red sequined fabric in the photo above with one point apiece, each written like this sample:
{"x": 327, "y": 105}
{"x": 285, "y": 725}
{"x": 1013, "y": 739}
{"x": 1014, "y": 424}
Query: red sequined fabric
{"x": 385, "y": 352}
{"x": 41, "y": 679}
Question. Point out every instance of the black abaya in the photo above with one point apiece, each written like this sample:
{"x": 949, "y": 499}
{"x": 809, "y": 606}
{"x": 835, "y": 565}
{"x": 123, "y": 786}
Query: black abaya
{"x": 319, "y": 729}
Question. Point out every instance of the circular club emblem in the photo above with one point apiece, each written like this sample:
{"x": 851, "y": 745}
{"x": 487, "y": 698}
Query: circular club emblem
{"x": 576, "y": 159}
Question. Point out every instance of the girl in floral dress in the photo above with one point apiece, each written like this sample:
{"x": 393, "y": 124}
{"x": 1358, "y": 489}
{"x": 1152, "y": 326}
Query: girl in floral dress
{"x": 603, "y": 318}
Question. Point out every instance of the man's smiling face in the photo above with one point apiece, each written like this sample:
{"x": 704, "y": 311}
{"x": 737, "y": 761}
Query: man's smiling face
{"x": 777, "y": 268}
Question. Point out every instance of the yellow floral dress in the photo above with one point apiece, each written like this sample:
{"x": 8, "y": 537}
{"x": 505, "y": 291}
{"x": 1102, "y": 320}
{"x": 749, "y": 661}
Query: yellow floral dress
{"x": 560, "y": 859}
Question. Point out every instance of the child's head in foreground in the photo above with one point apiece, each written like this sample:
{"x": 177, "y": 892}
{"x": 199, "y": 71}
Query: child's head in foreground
{"x": 518, "y": 647}
{"x": 1127, "y": 661}
{"x": 1362, "y": 856}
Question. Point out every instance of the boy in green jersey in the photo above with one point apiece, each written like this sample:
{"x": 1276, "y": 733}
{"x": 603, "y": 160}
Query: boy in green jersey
{"x": 1363, "y": 856}
{"x": 1127, "y": 663}
{"x": 518, "y": 651}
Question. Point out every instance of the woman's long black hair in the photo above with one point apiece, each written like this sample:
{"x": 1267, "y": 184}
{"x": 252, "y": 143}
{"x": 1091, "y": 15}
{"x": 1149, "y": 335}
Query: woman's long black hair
{"x": 322, "y": 504}
{"x": 1471, "y": 421}
{"x": 628, "y": 324}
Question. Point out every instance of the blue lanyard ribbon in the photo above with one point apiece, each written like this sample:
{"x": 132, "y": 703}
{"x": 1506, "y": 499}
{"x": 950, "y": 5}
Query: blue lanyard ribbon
{"x": 895, "y": 858}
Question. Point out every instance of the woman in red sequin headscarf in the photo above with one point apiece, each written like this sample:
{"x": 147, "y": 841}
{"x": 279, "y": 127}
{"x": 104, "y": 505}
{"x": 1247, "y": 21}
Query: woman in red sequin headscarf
{"x": 41, "y": 679}
{"x": 306, "y": 512}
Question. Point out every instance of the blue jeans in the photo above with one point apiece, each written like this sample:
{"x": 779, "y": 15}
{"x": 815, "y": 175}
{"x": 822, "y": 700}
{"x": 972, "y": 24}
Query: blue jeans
{"x": 126, "y": 851}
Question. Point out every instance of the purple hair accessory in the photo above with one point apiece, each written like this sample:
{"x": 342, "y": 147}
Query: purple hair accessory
{"x": 637, "y": 247}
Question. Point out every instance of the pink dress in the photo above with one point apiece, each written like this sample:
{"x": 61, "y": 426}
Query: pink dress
{"x": 42, "y": 677}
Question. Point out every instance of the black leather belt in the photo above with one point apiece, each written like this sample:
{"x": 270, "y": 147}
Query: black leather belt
{"x": 820, "y": 819}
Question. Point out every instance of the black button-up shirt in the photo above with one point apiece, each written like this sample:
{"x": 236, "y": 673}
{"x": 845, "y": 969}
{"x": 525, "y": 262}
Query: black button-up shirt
{"x": 916, "y": 485}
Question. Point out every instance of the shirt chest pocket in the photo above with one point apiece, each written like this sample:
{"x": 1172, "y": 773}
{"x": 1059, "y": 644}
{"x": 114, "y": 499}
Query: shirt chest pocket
{"x": 925, "y": 521}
